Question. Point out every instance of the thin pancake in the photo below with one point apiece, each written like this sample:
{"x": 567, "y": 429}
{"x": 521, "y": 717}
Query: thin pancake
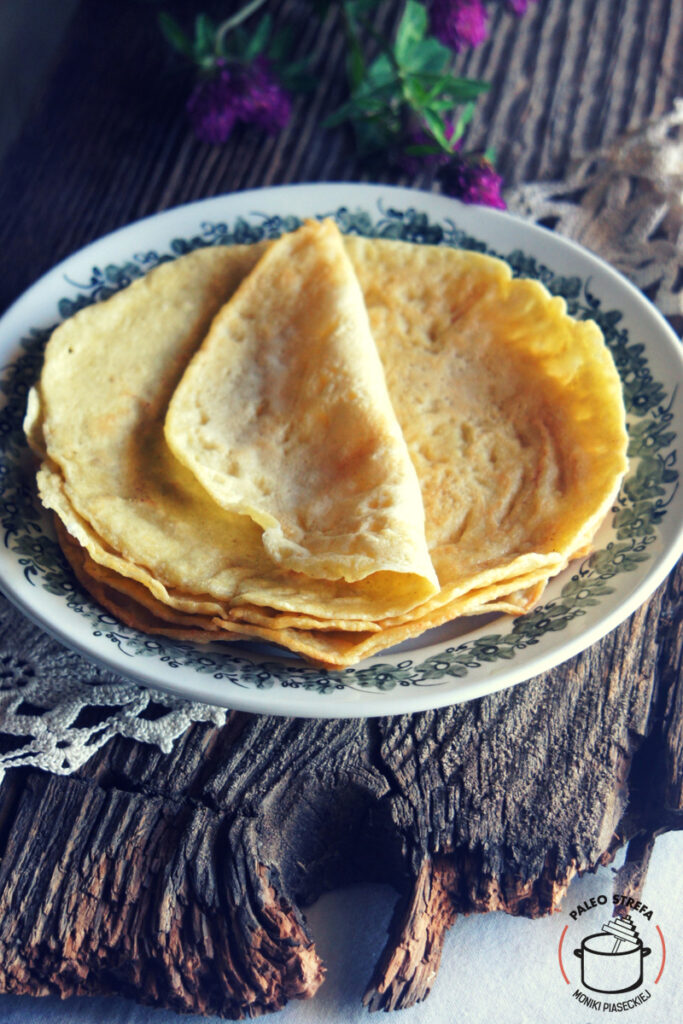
{"x": 511, "y": 411}
{"x": 283, "y": 415}
{"x": 108, "y": 377}
{"x": 137, "y": 608}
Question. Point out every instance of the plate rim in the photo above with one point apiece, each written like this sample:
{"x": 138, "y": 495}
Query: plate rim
{"x": 352, "y": 703}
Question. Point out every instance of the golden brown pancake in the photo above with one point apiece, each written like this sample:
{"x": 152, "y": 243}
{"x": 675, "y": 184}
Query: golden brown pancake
{"x": 510, "y": 412}
{"x": 283, "y": 415}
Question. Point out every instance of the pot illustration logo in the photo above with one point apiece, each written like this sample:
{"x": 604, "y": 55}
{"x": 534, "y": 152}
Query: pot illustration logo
{"x": 613, "y": 972}
{"x": 612, "y": 959}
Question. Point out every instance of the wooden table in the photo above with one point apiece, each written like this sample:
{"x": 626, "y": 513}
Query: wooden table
{"x": 185, "y": 887}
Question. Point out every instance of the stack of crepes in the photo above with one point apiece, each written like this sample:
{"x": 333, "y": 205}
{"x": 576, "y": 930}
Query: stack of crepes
{"x": 331, "y": 443}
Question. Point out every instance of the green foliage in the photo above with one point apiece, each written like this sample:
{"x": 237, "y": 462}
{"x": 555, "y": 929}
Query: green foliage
{"x": 408, "y": 86}
{"x": 175, "y": 36}
{"x": 400, "y": 89}
{"x": 233, "y": 42}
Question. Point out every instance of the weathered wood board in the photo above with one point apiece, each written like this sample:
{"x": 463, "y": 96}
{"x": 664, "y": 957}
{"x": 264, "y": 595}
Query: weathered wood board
{"x": 181, "y": 879}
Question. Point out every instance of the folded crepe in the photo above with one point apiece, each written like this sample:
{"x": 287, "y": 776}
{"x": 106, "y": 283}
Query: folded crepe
{"x": 98, "y": 416}
{"x": 283, "y": 415}
{"x": 238, "y": 459}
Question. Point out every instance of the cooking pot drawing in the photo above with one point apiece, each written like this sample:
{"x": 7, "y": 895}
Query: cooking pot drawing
{"x": 611, "y": 966}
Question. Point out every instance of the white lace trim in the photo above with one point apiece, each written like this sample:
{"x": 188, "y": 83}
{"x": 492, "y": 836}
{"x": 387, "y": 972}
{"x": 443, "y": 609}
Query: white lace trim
{"x": 56, "y": 709}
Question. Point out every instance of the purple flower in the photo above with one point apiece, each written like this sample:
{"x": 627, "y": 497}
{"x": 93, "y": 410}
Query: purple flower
{"x": 211, "y": 107}
{"x": 473, "y": 182}
{"x": 262, "y": 99}
{"x": 459, "y": 23}
{"x": 249, "y": 94}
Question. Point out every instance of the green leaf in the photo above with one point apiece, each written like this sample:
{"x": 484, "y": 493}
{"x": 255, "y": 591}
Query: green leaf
{"x": 377, "y": 91}
{"x": 174, "y": 34}
{"x": 379, "y": 102}
{"x": 456, "y": 89}
{"x": 204, "y": 36}
{"x": 446, "y": 86}
{"x": 437, "y": 128}
{"x": 380, "y": 73}
{"x": 412, "y": 29}
{"x": 439, "y": 104}
{"x": 357, "y": 110}
{"x": 414, "y": 93}
{"x": 259, "y": 39}
{"x": 359, "y": 28}
{"x": 463, "y": 121}
{"x": 427, "y": 55}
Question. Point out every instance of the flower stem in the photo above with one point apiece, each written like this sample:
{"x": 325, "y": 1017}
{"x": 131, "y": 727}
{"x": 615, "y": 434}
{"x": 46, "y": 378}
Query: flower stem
{"x": 230, "y": 23}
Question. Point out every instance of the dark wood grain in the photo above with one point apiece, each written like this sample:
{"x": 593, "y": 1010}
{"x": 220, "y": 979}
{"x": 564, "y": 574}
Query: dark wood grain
{"x": 180, "y": 878}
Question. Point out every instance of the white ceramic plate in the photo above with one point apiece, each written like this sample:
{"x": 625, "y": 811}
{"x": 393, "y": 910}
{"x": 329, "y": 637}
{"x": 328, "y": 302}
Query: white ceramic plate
{"x": 635, "y": 548}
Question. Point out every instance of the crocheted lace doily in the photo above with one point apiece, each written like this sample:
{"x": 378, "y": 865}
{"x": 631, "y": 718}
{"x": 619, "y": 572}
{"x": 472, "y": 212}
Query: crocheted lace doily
{"x": 56, "y": 708}
{"x": 624, "y": 202}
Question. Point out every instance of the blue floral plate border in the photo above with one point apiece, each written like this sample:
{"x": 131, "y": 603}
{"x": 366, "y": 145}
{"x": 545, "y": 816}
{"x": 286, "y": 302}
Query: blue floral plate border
{"x": 635, "y": 548}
